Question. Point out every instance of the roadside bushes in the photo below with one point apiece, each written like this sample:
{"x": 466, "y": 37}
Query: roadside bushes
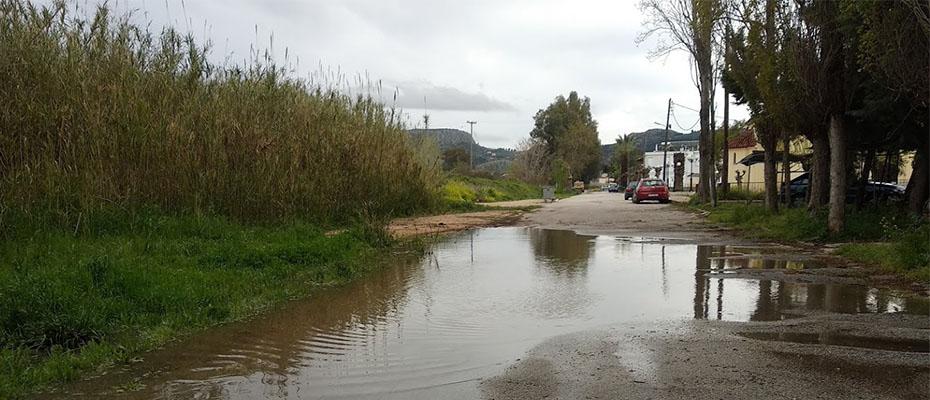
{"x": 96, "y": 112}
{"x": 461, "y": 192}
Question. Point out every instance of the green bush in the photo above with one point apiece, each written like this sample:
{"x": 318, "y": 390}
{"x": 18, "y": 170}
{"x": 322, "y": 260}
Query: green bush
{"x": 457, "y": 194}
{"x": 462, "y": 192}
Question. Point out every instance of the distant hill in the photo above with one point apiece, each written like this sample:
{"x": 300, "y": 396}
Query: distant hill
{"x": 448, "y": 138}
{"x": 648, "y": 140}
{"x": 456, "y": 138}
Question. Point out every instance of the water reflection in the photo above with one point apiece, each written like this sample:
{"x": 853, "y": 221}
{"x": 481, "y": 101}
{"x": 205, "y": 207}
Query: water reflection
{"x": 561, "y": 251}
{"x": 431, "y": 327}
{"x": 773, "y": 299}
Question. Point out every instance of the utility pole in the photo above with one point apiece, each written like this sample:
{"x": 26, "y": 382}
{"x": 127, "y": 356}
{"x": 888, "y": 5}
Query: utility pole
{"x": 725, "y": 165}
{"x": 665, "y": 153}
{"x": 471, "y": 144}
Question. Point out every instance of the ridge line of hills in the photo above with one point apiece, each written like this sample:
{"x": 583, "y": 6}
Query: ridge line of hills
{"x": 498, "y": 159}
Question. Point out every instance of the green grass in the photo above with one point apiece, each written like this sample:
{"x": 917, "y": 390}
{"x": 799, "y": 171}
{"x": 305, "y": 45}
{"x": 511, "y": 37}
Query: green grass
{"x": 462, "y": 192}
{"x": 907, "y": 253}
{"x": 741, "y": 194}
{"x": 70, "y": 304}
{"x": 889, "y": 237}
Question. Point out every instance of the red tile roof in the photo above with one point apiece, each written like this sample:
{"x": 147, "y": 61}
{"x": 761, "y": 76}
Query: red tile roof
{"x": 746, "y": 138}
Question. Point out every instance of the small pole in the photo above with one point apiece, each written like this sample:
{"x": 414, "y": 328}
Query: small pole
{"x": 471, "y": 144}
{"x": 665, "y": 153}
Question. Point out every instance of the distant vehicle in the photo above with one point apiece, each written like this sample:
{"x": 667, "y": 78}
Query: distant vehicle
{"x": 651, "y": 189}
{"x": 613, "y": 187}
{"x": 873, "y": 190}
{"x": 630, "y": 188}
{"x": 578, "y": 186}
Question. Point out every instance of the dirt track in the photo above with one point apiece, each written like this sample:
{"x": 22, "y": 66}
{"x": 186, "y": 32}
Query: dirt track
{"x": 609, "y": 214}
{"x": 709, "y": 359}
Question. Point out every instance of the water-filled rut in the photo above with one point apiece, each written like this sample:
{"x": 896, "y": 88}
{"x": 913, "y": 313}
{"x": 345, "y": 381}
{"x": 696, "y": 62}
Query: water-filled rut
{"x": 432, "y": 326}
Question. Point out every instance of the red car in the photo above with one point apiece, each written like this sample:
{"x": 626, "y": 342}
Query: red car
{"x": 651, "y": 189}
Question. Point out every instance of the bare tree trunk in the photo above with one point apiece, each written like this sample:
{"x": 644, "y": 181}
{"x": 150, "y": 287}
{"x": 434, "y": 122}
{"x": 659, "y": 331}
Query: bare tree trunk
{"x": 771, "y": 180}
{"x": 836, "y": 221}
{"x": 702, "y": 31}
{"x": 786, "y": 166}
{"x": 819, "y": 184}
{"x": 725, "y": 165}
{"x": 918, "y": 188}
{"x": 713, "y": 158}
{"x": 770, "y": 172}
{"x": 725, "y": 153}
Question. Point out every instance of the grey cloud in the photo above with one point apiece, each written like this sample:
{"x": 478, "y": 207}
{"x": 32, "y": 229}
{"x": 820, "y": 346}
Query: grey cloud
{"x": 418, "y": 94}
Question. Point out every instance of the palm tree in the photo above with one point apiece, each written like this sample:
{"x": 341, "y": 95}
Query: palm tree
{"x": 626, "y": 156}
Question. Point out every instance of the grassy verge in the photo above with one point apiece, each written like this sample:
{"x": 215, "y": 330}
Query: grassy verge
{"x": 70, "y": 304}
{"x": 462, "y": 192}
{"x": 890, "y": 238}
{"x": 99, "y": 114}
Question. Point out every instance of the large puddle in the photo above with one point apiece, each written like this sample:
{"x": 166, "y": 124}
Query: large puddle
{"x": 432, "y": 326}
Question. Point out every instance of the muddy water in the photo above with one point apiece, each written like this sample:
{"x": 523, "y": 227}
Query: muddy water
{"x": 431, "y": 327}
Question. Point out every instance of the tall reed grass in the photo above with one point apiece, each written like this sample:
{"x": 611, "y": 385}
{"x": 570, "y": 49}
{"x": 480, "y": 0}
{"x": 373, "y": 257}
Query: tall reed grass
{"x": 97, "y": 112}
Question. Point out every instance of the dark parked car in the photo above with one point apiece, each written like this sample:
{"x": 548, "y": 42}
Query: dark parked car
{"x": 651, "y": 189}
{"x": 628, "y": 192}
{"x": 873, "y": 190}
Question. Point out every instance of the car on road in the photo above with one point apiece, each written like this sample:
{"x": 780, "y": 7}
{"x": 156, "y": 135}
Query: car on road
{"x": 651, "y": 189}
{"x": 873, "y": 190}
{"x": 628, "y": 192}
{"x": 613, "y": 187}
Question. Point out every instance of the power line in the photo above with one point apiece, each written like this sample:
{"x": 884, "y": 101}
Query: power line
{"x": 686, "y": 107}
{"x": 675, "y": 117}
{"x": 716, "y": 117}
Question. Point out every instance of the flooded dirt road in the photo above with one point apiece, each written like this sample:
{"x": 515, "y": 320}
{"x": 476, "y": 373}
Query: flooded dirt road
{"x": 526, "y": 312}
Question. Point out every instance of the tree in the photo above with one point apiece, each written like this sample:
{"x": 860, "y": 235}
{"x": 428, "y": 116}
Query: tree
{"x": 531, "y": 163}
{"x": 454, "y": 158}
{"x": 570, "y": 134}
{"x": 626, "y": 158}
{"x": 691, "y": 25}
{"x": 894, "y": 38}
{"x": 752, "y": 75}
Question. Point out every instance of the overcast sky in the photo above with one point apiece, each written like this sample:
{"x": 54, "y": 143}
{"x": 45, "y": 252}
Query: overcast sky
{"x": 495, "y": 62}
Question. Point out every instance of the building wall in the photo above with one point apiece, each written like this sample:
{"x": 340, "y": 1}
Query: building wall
{"x": 906, "y": 168}
{"x": 653, "y": 159}
{"x": 754, "y": 180}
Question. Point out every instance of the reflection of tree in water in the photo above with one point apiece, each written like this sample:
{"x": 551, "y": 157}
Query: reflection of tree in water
{"x": 561, "y": 252}
{"x": 562, "y": 257}
{"x": 277, "y": 346}
{"x": 776, "y": 297}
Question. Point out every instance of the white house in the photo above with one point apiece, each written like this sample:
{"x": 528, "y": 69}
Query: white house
{"x": 689, "y": 158}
